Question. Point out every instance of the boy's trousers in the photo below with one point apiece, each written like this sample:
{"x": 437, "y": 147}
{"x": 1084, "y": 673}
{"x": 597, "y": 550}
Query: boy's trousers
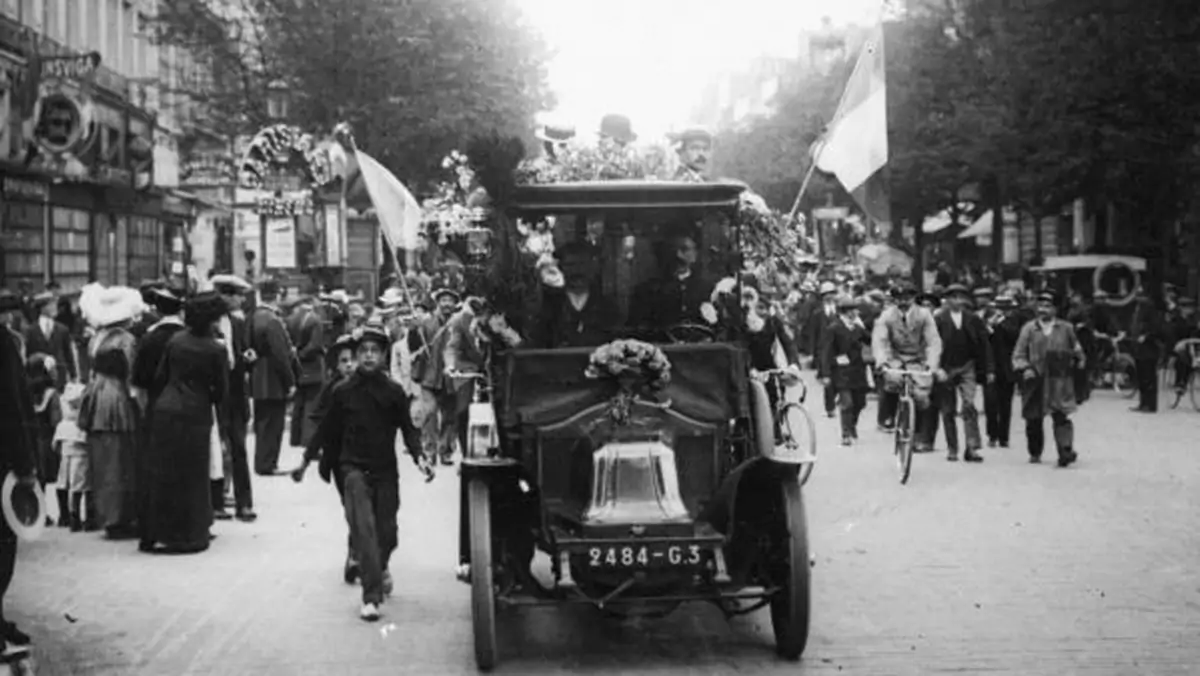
{"x": 371, "y": 500}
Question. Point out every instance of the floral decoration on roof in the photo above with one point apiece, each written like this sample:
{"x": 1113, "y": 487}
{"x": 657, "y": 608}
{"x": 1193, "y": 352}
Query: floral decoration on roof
{"x": 603, "y": 162}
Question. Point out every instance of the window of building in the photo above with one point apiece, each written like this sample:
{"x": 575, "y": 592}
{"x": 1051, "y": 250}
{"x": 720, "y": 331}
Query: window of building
{"x": 22, "y": 238}
{"x": 71, "y": 247}
{"x": 144, "y": 249}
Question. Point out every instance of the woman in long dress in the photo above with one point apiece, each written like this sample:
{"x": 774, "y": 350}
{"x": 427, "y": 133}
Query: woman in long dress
{"x": 193, "y": 378}
{"x": 109, "y": 414}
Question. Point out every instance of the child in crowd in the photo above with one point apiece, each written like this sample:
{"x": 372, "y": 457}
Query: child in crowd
{"x": 70, "y": 443}
{"x": 40, "y": 370}
{"x": 841, "y": 363}
{"x": 357, "y": 437}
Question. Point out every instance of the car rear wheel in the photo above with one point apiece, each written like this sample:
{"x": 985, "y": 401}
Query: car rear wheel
{"x": 483, "y": 600}
{"x": 791, "y": 605}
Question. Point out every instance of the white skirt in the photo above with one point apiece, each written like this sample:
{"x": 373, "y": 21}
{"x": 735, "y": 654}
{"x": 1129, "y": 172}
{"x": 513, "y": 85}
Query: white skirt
{"x": 216, "y": 462}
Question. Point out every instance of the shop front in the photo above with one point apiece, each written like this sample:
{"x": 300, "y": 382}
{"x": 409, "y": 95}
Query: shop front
{"x": 76, "y": 161}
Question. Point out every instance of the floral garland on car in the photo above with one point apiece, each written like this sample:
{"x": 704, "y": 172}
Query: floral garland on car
{"x": 603, "y": 162}
{"x": 636, "y": 366}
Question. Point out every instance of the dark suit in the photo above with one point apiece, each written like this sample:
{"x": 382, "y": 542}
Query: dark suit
{"x": 840, "y": 359}
{"x": 235, "y": 415}
{"x": 1003, "y": 340}
{"x": 308, "y": 335}
{"x": 271, "y": 379}
{"x": 58, "y": 345}
{"x": 561, "y": 325}
{"x": 18, "y": 428}
{"x": 1147, "y": 333}
{"x": 822, "y": 317}
{"x": 662, "y": 303}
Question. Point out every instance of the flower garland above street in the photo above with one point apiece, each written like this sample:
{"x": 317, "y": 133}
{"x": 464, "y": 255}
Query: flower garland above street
{"x": 456, "y": 206}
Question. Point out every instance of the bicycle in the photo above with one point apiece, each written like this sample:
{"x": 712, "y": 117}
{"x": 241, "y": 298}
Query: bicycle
{"x": 1116, "y": 368}
{"x": 796, "y": 428}
{"x": 1189, "y": 348}
{"x": 906, "y": 420}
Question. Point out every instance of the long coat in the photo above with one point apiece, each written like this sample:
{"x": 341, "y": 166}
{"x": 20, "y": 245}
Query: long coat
{"x": 1052, "y": 359}
{"x": 307, "y": 332}
{"x": 1004, "y": 340}
{"x": 272, "y": 374}
{"x": 18, "y": 426}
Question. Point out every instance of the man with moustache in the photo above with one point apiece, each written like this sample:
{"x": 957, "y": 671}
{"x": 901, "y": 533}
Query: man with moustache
{"x": 906, "y": 337}
{"x": 694, "y": 147}
{"x": 272, "y": 377}
{"x": 235, "y": 418}
{"x": 1044, "y": 358}
{"x": 578, "y": 315}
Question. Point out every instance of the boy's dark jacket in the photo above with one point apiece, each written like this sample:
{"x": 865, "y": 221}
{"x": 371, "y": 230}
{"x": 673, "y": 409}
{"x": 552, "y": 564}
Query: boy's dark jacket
{"x": 359, "y": 426}
{"x": 839, "y": 340}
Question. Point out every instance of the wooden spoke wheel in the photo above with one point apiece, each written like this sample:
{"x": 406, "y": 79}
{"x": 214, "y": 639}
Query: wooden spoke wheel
{"x": 791, "y": 605}
{"x": 483, "y": 599}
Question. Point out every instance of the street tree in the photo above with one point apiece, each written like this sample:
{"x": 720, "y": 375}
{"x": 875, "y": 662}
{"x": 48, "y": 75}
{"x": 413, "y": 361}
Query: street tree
{"x": 415, "y": 78}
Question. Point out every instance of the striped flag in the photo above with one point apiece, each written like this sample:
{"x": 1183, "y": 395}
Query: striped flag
{"x": 855, "y": 149}
{"x": 398, "y": 211}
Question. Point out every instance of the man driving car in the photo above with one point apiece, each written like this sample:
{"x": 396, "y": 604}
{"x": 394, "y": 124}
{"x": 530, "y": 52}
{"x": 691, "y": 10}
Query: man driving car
{"x": 677, "y": 296}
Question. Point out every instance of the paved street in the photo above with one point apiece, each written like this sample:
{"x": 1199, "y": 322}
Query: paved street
{"x": 1003, "y": 568}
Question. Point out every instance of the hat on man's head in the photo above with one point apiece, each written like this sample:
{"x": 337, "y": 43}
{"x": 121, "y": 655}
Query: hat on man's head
{"x": 956, "y": 290}
{"x": 41, "y": 299}
{"x": 984, "y": 292}
{"x": 684, "y": 137}
{"x": 9, "y": 301}
{"x": 617, "y": 127}
{"x": 929, "y": 297}
{"x": 1047, "y": 297}
{"x": 392, "y": 297}
{"x": 847, "y": 302}
{"x": 230, "y": 284}
{"x": 268, "y": 288}
{"x": 1005, "y": 302}
{"x": 903, "y": 289}
{"x": 165, "y": 300}
{"x": 827, "y": 288}
{"x": 555, "y": 133}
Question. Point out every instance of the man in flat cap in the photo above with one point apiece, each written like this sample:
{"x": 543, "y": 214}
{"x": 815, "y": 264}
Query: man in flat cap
{"x": 236, "y": 412}
{"x": 1046, "y": 354}
{"x": 272, "y": 378}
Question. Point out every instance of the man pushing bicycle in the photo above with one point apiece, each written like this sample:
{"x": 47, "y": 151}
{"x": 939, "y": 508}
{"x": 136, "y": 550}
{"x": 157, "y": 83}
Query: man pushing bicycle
{"x": 905, "y": 337}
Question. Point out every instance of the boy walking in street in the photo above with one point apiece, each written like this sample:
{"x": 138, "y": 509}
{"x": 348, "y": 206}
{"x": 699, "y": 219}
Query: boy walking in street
{"x": 841, "y": 365}
{"x": 358, "y": 437}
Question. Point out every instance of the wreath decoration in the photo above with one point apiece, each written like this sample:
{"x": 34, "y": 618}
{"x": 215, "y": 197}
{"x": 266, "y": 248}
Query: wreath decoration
{"x": 636, "y": 366}
{"x": 281, "y": 147}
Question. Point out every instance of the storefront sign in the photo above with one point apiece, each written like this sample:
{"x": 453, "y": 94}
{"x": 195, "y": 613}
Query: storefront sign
{"x": 280, "y": 236}
{"x": 19, "y": 188}
{"x": 78, "y": 67}
{"x": 289, "y": 205}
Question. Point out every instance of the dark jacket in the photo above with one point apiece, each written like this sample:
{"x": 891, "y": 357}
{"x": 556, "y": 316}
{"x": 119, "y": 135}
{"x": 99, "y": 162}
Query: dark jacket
{"x": 761, "y": 345}
{"x": 663, "y": 303}
{"x": 307, "y": 333}
{"x": 561, "y": 325}
{"x": 818, "y": 321}
{"x": 979, "y": 350}
{"x": 312, "y": 452}
{"x": 272, "y": 374}
{"x": 841, "y": 355}
{"x": 58, "y": 345}
{"x": 18, "y": 425}
{"x": 151, "y": 349}
{"x": 1146, "y": 330}
{"x": 193, "y": 377}
{"x": 1003, "y": 340}
{"x": 239, "y": 376}
{"x": 359, "y": 426}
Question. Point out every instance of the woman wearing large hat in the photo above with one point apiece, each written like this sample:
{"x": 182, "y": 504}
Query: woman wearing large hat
{"x": 108, "y": 413}
{"x": 194, "y": 381}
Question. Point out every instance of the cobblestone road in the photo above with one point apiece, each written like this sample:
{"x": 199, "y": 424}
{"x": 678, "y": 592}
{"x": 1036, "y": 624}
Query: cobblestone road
{"x": 1004, "y": 568}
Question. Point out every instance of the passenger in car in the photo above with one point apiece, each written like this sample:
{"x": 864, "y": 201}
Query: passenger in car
{"x": 578, "y": 315}
{"x": 675, "y": 298}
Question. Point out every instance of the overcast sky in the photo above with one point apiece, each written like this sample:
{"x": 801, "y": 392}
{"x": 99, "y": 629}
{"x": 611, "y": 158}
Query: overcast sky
{"x": 649, "y": 59}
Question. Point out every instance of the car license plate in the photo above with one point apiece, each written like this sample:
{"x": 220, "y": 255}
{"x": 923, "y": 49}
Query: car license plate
{"x": 644, "y": 556}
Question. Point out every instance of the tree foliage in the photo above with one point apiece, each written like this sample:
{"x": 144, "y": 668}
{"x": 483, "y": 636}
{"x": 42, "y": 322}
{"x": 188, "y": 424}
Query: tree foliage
{"x": 1041, "y": 101}
{"x": 415, "y": 78}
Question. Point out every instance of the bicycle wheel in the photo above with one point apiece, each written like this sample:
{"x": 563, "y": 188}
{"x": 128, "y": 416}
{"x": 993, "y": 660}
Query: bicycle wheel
{"x": 1125, "y": 376}
{"x": 1166, "y": 374}
{"x": 1194, "y": 390}
{"x": 797, "y": 427}
{"x": 905, "y": 437}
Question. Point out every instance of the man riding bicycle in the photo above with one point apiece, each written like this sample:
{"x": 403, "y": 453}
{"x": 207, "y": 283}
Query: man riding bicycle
{"x": 905, "y": 337}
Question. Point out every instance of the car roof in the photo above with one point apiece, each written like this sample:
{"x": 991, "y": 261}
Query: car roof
{"x": 624, "y": 194}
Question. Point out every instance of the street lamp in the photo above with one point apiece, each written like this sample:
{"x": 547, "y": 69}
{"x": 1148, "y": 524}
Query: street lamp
{"x": 279, "y": 98}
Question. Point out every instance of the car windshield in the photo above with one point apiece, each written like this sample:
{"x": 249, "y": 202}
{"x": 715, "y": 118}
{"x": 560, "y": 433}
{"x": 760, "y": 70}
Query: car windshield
{"x": 609, "y": 273}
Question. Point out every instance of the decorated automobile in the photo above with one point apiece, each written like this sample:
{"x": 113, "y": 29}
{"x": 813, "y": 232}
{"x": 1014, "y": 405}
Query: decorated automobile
{"x": 626, "y": 441}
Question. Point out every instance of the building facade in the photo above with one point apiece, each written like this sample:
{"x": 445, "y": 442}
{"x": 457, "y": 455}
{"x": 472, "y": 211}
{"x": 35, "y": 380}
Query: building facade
{"x": 89, "y": 153}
